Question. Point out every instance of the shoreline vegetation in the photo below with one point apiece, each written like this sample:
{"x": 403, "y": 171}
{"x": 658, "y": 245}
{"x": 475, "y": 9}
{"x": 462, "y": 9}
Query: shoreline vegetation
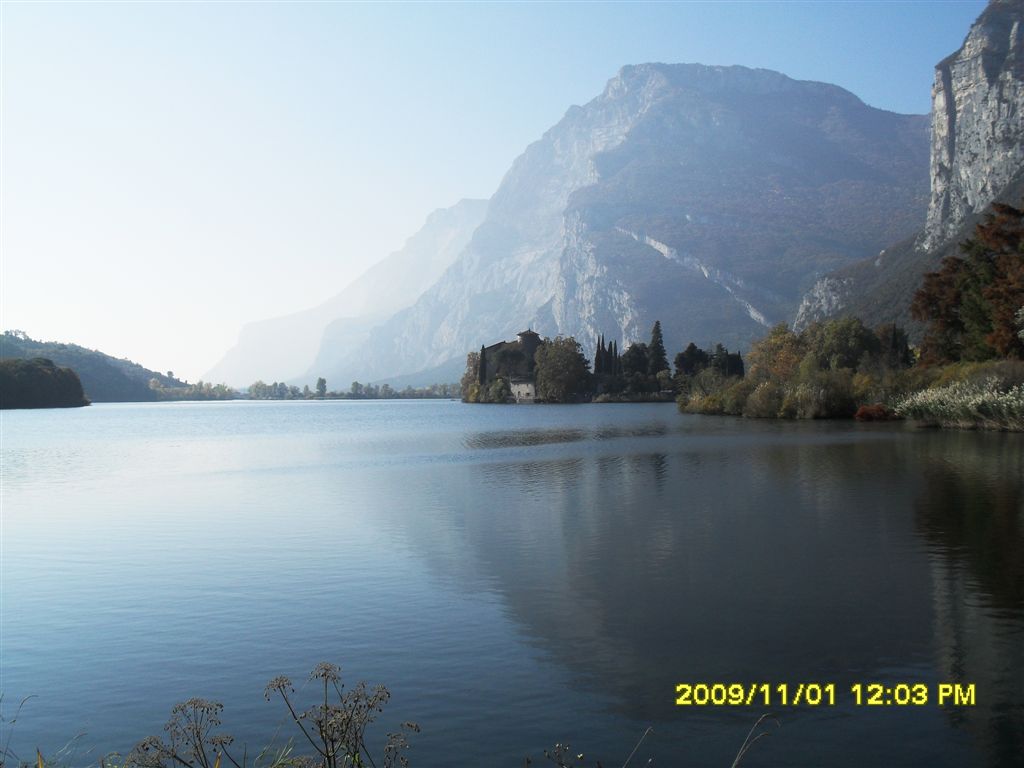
{"x": 836, "y": 369}
{"x": 357, "y": 391}
{"x": 332, "y": 730}
{"x": 967, "y": 373}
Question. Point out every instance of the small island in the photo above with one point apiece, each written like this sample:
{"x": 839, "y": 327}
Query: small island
{"x": 39, "y": 383}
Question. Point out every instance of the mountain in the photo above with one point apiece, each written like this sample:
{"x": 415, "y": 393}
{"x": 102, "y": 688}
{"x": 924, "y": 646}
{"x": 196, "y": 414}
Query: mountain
{"x": 977, "y": 157}
{"x": 710, "y": 198}
{"x": 105, "y": 379}
{"x": 287, "y": 348}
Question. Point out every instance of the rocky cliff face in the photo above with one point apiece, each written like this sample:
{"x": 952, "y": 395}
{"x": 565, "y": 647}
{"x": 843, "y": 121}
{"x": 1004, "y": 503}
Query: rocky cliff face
{"x": 977, "y": 120}
{"x": 977, "y": 156}
{"x": 508, "y": 275}
{"x": 706, "y": 197}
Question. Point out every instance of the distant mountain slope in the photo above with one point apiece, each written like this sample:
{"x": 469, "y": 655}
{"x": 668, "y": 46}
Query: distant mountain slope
{"x": 290, "y": 347}
{"x": 105, "y": 379}
{"x": 977, "y": 157}
{"x": 880, "y": 290}
{"x": 707, "y": 197}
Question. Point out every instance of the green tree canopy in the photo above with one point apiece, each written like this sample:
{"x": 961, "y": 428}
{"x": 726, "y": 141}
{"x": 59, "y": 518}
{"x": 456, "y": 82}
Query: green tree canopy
{"x": 840, "y": 342}
{"x": 691, "y": 360}
{"x": 562, "y": 371}
{"x": 38, "y": 383}
{"x": 636, "y": 359}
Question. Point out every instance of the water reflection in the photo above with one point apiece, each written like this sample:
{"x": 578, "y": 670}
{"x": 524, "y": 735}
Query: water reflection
{"x": 520, "y": 438}
{"x": 775, "y": 557}
{"x": 550, "y": 578}
{"x": 971, "y": 513}
{"x": 532, "y": 437}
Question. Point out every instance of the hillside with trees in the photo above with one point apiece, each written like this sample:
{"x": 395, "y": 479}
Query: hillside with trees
{"x": 105, "y": 379}
{"x": 38, "y": 383}
{"x": 968, "y": 371}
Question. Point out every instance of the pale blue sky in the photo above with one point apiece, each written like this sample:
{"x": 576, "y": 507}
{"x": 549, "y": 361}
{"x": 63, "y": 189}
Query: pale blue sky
{"x": 172, "y": 170}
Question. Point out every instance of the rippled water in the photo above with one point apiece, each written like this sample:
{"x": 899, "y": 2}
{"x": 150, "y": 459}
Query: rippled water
{"x": 517, "y": 576}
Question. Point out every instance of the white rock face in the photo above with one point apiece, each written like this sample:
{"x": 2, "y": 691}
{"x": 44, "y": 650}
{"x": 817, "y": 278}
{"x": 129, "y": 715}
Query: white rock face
{"x": 729, "y": 282}
{"x": 977, "y": 150}
{"x": 826, "y": 299}
{"x": 977, "y": 120}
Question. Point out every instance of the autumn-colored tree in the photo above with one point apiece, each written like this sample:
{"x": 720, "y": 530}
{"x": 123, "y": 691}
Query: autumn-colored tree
{"x": 776, "y": 356}
{"x": 971, "y": 302}
{"x": 1003, "y": 237}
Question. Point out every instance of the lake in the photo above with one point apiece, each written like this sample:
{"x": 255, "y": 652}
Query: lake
{"x": 516, "y": 575}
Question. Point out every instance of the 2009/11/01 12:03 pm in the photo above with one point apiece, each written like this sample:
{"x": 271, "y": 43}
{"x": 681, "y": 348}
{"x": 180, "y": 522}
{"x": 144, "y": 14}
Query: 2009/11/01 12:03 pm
{"x": 823, "y": 694}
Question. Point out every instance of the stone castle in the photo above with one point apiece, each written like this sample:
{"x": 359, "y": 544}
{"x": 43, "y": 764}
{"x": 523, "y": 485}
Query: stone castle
{"x": 513, "y": 360}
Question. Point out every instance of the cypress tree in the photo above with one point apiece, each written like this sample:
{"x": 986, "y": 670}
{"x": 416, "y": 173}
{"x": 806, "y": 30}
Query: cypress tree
{"x": 482, "y": 371}
{"x": 657, "y": 357}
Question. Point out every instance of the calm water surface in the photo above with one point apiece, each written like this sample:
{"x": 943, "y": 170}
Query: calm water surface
{"x": 516, "y": 576}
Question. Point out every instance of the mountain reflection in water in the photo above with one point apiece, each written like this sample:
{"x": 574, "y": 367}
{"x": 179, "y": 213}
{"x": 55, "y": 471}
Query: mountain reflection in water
{"x": 516, "y": 576}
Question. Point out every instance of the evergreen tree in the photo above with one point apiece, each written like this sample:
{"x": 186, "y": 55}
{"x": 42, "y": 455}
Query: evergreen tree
{"x": 691, "y": 360}
{"x": 657, "y": 359}
{"x": 893, "y": 347}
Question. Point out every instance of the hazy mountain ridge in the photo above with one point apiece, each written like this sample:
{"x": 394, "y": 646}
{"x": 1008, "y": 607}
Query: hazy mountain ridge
{"x": 287, "y": 348}
{"x": 509, "y": 270}
{"x": 708, "y": 197}
{"x": 977, "y": 157}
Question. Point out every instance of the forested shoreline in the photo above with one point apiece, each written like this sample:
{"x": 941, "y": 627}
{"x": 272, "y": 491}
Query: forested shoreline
{"x": 967, "y": 372}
